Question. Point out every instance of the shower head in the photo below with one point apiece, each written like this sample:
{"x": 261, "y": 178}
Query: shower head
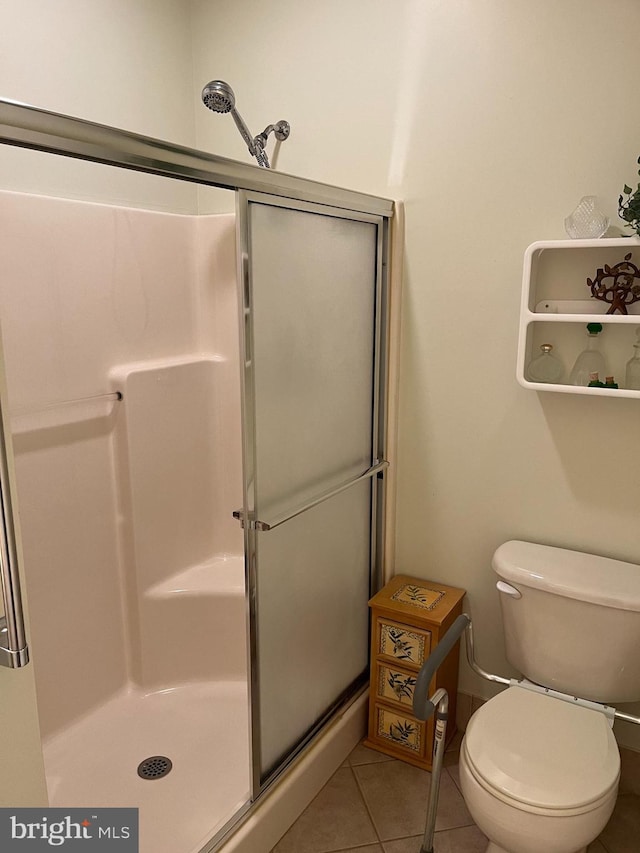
{"x": 218, "y": 96}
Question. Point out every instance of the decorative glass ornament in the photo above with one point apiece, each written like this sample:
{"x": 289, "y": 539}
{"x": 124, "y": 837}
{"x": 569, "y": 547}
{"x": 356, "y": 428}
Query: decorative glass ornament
{"x": 586, "y": 221}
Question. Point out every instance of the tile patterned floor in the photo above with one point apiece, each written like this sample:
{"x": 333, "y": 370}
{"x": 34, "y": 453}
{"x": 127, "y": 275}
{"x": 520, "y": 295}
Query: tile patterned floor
{"x": 376, "y": 804}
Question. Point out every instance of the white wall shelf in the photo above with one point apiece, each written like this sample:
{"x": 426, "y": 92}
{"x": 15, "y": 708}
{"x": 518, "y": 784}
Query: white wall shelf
{"x": 557, "y": 305}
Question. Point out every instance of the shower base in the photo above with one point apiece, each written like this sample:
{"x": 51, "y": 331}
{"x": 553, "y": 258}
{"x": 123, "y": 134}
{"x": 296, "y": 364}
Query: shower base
{"x": 202, "y": 728}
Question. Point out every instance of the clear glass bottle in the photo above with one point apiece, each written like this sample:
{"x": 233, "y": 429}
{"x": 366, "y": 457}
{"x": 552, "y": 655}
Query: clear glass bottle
{"x": 632, "y": 375}
{"x": 590, "y": 360}
{"x": 545, "y": 367}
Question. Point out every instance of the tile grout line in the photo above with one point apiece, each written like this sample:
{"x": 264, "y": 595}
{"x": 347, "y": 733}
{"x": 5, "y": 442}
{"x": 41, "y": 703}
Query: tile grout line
{"x": 366, "y": 805}
{"x": 364, "y": 799}
{"x": 453, "y": 779}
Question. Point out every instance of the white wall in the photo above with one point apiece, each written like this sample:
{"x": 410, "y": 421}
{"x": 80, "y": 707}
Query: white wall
{"x": 490, "y": 119}
{"x": 125, "y": 63}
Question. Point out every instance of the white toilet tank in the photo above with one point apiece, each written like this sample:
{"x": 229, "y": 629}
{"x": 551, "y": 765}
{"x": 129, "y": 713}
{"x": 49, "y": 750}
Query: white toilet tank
{"x": 576, "y": 625}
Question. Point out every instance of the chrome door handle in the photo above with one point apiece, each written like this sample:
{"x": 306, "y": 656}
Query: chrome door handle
{"x": 318, "y": 499}
{"x": 14, "y": 651}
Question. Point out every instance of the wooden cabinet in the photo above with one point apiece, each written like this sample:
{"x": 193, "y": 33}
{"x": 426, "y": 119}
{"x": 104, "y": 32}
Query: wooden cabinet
{"x": 408, "y": 619}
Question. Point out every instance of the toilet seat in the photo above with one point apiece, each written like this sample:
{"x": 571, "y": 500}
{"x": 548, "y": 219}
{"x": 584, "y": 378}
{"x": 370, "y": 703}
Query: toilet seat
{"x": 541, "y": 754}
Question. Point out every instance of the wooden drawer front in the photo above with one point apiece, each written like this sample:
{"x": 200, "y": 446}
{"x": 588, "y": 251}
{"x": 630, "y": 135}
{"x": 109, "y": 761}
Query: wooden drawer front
{"x": 402, "y": 644}
{"x": 396, "y": 685}
{"x": 402, "y": 731}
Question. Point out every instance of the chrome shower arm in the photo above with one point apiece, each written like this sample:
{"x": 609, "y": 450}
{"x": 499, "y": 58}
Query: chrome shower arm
{"x": 280, "y": 130}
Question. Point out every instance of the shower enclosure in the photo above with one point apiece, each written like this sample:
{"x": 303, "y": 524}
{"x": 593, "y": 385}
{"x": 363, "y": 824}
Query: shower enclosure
{"x": 194, "y": 411}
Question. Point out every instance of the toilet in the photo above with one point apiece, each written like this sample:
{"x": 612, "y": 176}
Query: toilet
{"x": 539, "y": 764}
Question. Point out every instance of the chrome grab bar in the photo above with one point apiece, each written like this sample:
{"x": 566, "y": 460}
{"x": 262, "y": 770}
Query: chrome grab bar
{"x": 471, "y": 658}
{"x": 323, "y": 496}
{"x": 14, "y": 651}
{"x": 629, "y": 718}
{"x": 423, "y": 707}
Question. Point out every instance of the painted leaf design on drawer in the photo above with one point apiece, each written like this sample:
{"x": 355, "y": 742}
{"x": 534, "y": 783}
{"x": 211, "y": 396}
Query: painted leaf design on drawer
{"x": 401, "y": 647}
{"x": 399, "y": 730}
{"x": 395, "y": 685}
{"x": 401, "y": 685}
{"x": 400, "y": 644}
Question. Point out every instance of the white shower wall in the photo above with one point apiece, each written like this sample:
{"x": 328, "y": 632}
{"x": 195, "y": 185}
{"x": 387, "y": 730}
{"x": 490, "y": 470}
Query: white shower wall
{"x": 118, "y": 498}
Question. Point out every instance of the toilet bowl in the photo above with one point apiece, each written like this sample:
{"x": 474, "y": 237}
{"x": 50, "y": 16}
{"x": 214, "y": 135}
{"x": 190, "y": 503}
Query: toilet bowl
{"x": 539, "y": 773}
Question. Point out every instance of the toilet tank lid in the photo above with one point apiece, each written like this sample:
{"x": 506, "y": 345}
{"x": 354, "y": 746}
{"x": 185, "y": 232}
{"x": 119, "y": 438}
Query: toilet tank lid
{"x": 585, "y": 577}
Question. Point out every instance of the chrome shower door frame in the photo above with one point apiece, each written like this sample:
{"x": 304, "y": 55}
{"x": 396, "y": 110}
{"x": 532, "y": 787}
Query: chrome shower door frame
{"x": 252, "y": 525}
{"x": 28, "y": 127}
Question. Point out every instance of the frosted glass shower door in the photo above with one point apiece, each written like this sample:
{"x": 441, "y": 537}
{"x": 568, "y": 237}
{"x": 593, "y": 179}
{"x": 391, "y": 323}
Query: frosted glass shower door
{"x": 311, "y": 284}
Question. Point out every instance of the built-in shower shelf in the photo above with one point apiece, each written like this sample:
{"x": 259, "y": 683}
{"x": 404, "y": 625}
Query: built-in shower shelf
{"x": 557, "y": 306}
{"x": 204, "y": 606}
{"x": 218, "y": 576}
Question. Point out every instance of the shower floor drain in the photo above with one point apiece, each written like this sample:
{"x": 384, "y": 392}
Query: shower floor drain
{"x": 155, "y": 767}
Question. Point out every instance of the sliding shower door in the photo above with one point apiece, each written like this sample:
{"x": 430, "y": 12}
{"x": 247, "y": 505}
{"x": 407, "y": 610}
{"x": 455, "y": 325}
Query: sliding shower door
{"x": 313, "y": 320}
